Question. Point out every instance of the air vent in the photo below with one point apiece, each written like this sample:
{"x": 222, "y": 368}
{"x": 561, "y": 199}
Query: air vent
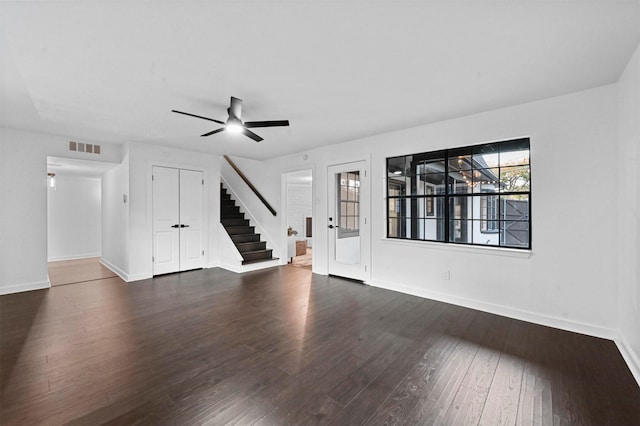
{"x": 84, "y": 147}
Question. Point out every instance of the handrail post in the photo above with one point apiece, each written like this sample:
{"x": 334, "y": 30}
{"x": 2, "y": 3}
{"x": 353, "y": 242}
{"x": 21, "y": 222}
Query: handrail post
{"x": 248, "y": 182}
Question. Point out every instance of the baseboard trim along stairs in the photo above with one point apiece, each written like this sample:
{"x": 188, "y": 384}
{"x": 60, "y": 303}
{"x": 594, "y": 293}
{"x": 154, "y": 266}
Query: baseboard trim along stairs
{"x": 247, "y": 241}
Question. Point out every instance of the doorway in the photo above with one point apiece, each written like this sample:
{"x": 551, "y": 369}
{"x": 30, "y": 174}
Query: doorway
{"x": 299, "y": 216}
{"x": 178, "y": 220}
{"x": 74, "y": 220}
{"x": 349, "y": 234}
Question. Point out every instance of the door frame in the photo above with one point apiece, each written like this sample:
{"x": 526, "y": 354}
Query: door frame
{"x": 205, "y": 208}
{"x": 284, "y": 208}
{"x": 365, "y": 212}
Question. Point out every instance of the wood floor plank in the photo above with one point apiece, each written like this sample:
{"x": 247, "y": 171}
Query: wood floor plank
{"x": 283, "y": 346}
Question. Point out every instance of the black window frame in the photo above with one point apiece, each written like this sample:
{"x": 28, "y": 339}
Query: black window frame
{"x": 470, "y": 161}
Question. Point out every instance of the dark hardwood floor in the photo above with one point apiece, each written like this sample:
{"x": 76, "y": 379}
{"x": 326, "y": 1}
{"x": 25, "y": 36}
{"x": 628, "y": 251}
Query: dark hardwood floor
{"x": 283, "y": 346}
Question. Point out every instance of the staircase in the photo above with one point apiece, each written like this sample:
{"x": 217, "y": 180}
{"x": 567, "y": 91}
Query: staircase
{"x": 241, "y": 232}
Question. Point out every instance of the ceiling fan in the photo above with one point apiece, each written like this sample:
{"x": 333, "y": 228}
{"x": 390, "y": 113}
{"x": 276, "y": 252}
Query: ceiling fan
{"x": 234, "y": 122}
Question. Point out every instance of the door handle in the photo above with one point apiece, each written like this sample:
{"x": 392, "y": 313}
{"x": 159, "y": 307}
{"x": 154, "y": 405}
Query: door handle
{"x": 175, "y": 226}
{"x": 331, "y": 226}
{"x": 184, "y": 226}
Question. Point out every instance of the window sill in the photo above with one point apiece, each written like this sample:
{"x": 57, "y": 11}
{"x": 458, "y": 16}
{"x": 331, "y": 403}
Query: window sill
{"x": 492, "y": 251}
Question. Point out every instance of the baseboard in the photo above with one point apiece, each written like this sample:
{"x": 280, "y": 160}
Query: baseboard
{"x": 19, "y": 288}
{"x": 238, "y": 269}
{"x": 74, "y": 257}
{"x": 547, "y": 320}
{"x": 113, "y": 268}
{"x": 630, "y": 357}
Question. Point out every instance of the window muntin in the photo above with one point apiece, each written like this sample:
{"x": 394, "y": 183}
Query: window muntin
{"x": 349, "y": 199}
{"x": 476, "y": 195}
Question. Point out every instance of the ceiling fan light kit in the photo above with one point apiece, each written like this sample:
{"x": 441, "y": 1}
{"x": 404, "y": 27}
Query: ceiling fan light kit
{"x": 234, "y": 122}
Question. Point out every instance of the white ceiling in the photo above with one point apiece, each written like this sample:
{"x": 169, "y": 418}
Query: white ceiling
{"x": 111, "y": 71}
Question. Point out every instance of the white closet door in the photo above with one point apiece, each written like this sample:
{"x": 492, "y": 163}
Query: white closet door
{"x": 191, "y": 220}
{"x": 166, "y": 220}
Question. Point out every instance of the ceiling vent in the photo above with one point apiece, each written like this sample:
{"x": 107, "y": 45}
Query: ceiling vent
{"x": 84, "y": 147}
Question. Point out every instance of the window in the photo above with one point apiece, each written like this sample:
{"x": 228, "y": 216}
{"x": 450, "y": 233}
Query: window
{"x": 349, "y": 198}
{"x": 479, "y": 195}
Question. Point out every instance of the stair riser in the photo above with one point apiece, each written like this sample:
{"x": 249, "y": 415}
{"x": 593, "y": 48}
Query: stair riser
{"x": 240, "y": 230}
{"x": 253, "y": 246}
{"x": 235, "y": 222}
{"x": 245, "y": 238}
{"x": 227, "y": 215}
{"x": 266, "y": 255}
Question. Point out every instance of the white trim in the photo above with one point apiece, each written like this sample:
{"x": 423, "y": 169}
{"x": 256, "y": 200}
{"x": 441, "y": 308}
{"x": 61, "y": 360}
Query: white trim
{"x": 238, "y": 269}
{"x": 18, "y": 288}
{"x": 536, "y": 318}
{"x": 630, "y": 357}
{"x": 488, "y": 250}
{"x": 74, "y": 257}
{"x": 113, "y": 268}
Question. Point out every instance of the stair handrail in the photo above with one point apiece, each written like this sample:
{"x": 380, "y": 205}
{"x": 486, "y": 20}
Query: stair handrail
{"x": 250, "y": 185}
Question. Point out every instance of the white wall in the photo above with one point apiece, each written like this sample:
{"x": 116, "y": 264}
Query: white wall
{"x": 23, "y": 225}
{"x": 74, "y": 218}
{"x": 115, "y": 214}
{"x": 628, "y": 168}
{"x": 569, "y": 279}
{"x": 23, "y": 198}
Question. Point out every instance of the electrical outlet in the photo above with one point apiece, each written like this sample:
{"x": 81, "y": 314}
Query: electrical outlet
{"x": 446, "y": 275}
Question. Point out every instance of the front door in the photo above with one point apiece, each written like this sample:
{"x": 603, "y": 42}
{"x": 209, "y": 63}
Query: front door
{"x": 347, "y": 220}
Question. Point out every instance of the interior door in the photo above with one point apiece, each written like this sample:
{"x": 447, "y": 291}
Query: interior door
{"x": 178, "y": 220}
{"x": 166, "y": 220}
{"x": 349, "y": 233}
{"x": 191, "y": 218}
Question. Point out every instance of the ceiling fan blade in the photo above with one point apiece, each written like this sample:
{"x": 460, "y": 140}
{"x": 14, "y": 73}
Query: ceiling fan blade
{"x": 252, "y": 135}
{"x": 275, "y": 123}
{"x": 199, "y": 116}
{"x": 213, "y": 132}
{"x": 235, "y": 108}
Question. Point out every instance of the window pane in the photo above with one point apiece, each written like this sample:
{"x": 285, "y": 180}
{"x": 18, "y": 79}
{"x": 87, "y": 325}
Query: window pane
{"x": 395, "y": 166}
{"x": 514, "y": 234}
{"x": 392, "y": 230}
{"x": 430, "y": 166}
{"x": 460, "y": 162}
{"x": 436, "y": 181}
{"x": 394, "y": 207}
{"x": 351, "y": 209}
{"x": 462, "y": 185}
{"x": 486, "y": 177}
{"x": 514, "y": 158}
{"x": 514, "y": 207}
{"x": 460, "y": 208}
{"x": 515, "y": 179}
{"x": 483, "y": 237}
{"x": 405, "y": 228}
{"x": 460, "y": 231}
{"x": 434, "y": 229}
{"x": 485, "y": 157}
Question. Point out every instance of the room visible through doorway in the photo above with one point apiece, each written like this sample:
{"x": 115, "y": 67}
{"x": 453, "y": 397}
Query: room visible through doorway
{"x": 300, "y": 218}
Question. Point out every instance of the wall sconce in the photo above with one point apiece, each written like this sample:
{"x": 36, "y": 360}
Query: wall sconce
{"x": 52, "y": 181}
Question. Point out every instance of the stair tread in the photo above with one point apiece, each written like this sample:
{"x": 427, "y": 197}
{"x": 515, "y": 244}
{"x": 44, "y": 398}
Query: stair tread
{"x": 246, "y": 262}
